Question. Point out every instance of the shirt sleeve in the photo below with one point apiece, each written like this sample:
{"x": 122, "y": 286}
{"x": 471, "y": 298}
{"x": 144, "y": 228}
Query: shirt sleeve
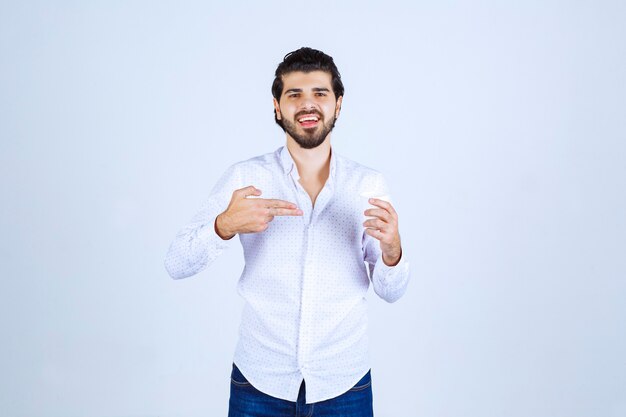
{"x": 389, "y": 282}
{"x": 197, "y": 244}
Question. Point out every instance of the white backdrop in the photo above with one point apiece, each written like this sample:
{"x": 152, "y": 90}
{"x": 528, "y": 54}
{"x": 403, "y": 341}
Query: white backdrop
{"x": 499, "y": 127}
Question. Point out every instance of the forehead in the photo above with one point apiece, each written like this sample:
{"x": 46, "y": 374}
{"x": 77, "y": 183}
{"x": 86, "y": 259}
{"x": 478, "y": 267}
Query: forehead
{"x": 307, "y": 80}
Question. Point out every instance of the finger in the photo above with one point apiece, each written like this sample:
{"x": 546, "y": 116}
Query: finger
{"x": 376, "y": 224}
{"x": 382, "y": 203}
{"x": 273, "y": 203}
{"x": 381, "y": 213}
{"x": 374, "y": 233}
{"x": 285, "y": 212}
{"x": 250, "y": 190}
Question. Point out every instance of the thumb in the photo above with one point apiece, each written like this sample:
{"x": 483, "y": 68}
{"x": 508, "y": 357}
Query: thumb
{"x": 249, "y": 190}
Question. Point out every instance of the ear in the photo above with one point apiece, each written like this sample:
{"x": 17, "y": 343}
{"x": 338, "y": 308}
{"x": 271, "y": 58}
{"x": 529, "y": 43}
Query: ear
{"x": 338, "y": 106}
{"x": 277, "y": 108}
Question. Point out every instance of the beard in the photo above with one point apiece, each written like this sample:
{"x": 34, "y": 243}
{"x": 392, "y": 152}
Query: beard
{"x": 309, "y": 138}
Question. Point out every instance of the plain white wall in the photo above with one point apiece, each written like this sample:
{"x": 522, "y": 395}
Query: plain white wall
{"x": 500, "y": 128}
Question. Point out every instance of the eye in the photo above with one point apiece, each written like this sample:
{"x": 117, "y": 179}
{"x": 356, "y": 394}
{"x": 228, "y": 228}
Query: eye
{"x": 321, "y": 94}
{"x": 295, "y": 95}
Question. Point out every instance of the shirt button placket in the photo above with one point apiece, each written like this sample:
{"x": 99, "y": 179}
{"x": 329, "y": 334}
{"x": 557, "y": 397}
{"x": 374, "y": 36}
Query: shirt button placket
{"x": 304, "y": 342}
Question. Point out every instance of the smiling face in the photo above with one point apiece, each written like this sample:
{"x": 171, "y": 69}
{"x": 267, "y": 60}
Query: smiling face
{"x": 308, "y": 107}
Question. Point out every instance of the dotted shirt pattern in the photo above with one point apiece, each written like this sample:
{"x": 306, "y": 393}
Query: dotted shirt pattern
{"x": 305, "y": 277}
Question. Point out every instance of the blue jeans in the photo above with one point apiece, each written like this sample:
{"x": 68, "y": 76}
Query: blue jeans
{"x": 247, "y": 401}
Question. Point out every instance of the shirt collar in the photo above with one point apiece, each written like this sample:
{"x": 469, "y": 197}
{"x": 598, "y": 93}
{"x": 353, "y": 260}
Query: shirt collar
{"x": 288, "y": 164}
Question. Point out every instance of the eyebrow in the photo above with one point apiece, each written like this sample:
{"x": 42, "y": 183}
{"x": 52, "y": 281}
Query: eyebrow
{"x": 299, "y": 90}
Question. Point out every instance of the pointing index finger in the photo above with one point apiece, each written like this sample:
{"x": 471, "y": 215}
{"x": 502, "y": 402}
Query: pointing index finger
{"x": 285, "y": 212}
{"x": 274, "y": 203}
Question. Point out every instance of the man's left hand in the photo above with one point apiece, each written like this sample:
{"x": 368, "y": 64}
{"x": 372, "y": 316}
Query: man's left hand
{"x": 384, "y": 227}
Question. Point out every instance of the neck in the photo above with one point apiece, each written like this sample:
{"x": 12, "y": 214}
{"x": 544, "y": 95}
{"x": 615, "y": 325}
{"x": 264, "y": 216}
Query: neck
{"x": 312, "y": 164}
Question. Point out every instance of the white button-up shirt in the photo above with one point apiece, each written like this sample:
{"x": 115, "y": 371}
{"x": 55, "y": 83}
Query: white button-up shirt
{"x": 305, "y": 277}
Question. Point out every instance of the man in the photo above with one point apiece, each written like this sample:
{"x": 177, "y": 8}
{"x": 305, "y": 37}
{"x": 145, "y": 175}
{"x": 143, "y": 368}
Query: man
{"x": 306, "y": 232}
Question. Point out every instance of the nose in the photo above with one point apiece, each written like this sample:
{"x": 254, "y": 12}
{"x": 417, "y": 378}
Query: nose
{"x": 307, "y": 104}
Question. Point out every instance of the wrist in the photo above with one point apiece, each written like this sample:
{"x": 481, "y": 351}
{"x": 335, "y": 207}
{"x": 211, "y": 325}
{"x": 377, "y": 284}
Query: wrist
{"x": 391, "y": 260}
{"x": 221, "y": 229}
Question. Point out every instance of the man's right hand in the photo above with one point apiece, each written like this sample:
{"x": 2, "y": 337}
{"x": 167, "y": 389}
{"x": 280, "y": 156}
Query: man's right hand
{"x": 251, "y": 215}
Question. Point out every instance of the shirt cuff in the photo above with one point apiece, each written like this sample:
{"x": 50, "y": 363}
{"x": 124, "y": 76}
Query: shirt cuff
{"x": 215, "y": 244}
{"x": 390, "y": 282}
